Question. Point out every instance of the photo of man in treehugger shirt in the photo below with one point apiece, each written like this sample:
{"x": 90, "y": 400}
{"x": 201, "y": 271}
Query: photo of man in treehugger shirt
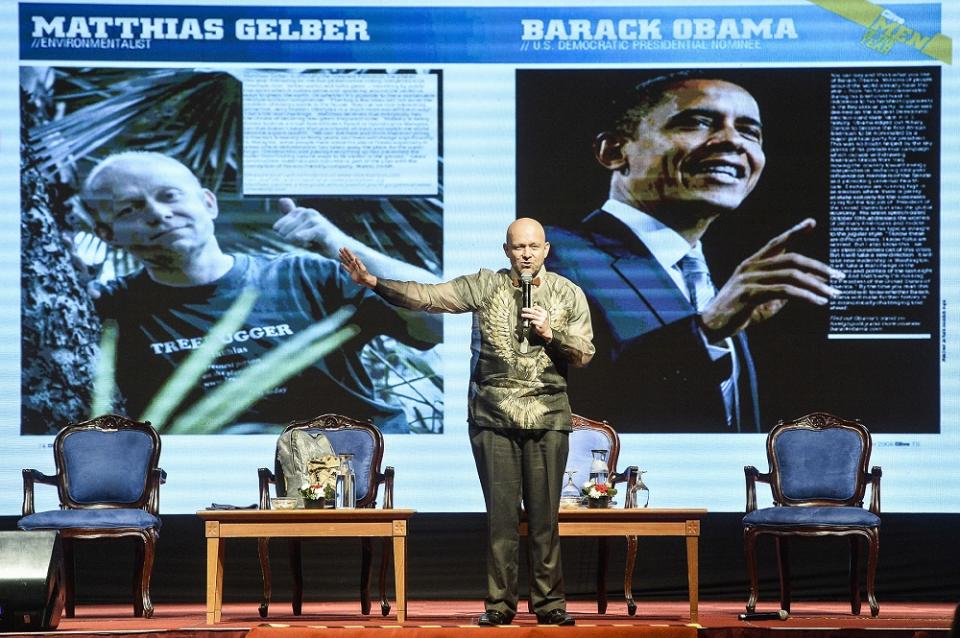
{"x": 155, "y": 208}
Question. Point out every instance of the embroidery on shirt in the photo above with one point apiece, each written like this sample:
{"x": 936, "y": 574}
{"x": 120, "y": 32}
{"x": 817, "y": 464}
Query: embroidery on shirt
{"x": 559, "y": 315}
{"x": 497, "y": 324}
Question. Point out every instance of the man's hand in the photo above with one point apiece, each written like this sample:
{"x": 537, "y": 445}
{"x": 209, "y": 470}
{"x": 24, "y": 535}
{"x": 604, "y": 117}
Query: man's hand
{"x": 88, "y": 273}
{"x": 355, "y": 268}
{"x": 764, "y": 282}
{"x": 307, "y": 228}
{"x": 539, "y": 320}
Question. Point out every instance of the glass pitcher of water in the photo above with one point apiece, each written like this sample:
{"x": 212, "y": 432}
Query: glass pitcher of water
{"x": 346, "y": 483}
{"x": 599, "y": 472}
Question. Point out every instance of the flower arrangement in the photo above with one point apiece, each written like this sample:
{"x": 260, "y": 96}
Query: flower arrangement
{"x": 316, "y": 492}
{"x": 592, "y": 489}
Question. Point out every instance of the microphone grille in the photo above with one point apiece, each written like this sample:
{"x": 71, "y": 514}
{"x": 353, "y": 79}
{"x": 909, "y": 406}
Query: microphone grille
{"x": 526, "y": 277}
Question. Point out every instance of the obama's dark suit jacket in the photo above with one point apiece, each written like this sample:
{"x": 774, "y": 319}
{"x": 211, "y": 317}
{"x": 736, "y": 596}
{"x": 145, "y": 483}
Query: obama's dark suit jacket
{"x": 652, "y": 372}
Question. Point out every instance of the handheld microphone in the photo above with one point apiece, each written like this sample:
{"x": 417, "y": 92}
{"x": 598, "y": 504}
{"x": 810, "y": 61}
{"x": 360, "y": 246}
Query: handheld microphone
{"x": 780, "y": 614}
{"x": 526, "y": 287}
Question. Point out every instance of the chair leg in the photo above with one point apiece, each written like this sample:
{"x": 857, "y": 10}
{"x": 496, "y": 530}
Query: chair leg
{"x": 138, "y": 556}
{"x": 855, "y": 575}
{"x": 628, "y": 575}
{"x": 263, "y": 551}
{"x": 749, "y": 550}
{"x": 69, "y": 576}
{"x": 366, "y": 567}
{"x": 873, "y": 549}
{"x": 143, "y": 603}
{"x": 296, "y": 570}
{"x": 783, "y": 563}
{"x": 386, "y": 556}
{"x": 602, "y": 554}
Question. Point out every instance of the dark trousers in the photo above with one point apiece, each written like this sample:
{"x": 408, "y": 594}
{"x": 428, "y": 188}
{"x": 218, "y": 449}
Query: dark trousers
{"x": 527, "y": 464}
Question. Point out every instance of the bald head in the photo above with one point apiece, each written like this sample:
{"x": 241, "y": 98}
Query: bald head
{"x": 154, "y": 207}
{"x": 98, "y": 189}
{"x": 526, "y": 246}
{"x": 525, "y": 225}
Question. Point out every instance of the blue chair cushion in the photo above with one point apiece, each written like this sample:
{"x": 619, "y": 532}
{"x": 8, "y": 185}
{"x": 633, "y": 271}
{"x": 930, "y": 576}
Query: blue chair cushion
{"x": 107, "y": 466}
{"x": 818, "y": 464}
{"x": 360, "y": 444}
{"x": 812, "y": 516}
{"x": 111, "y": 518}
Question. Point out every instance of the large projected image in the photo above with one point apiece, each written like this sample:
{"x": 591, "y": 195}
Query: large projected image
{"x": 187, "y": 174}
{"x": 201, "y": 214}
{"x": 854, "y": 149}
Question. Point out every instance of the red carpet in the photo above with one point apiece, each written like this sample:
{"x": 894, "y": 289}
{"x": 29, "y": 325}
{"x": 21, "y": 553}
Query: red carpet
{"x": 434, "y": 619}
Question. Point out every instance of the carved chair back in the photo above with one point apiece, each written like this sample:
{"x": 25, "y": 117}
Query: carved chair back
{"x": 819, "y": 459}
{"x": 107, "y": 462}
{"x": 589, "y": 435}
{"x": 362, "y": 439}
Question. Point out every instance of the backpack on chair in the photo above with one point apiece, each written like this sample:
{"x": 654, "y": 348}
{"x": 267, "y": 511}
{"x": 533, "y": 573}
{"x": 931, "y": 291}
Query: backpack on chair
{"x": 305, "y": 457}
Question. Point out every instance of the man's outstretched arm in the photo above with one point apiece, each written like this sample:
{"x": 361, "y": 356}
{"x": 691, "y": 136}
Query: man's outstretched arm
{"x": 310, "y": 229}
{"x": 458, "y": 295}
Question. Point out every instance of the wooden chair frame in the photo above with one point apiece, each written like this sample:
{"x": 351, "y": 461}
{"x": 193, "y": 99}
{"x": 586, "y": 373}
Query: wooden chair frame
{"x": 815, "y": 421}
{"x": 149, "y": 501}
{"x": 267, "y": 477}
{"x": 630, "y": 476}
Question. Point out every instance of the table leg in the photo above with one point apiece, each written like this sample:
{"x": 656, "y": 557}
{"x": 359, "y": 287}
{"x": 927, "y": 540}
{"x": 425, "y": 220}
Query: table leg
{"x": 628, "y": 575}
{"x": 214, "y": 579}
{"x": 400, "y": 575}
{"x": 693, "y": 574}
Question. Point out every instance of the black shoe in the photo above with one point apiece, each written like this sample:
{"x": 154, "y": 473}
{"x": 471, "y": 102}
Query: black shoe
{"x": 493, "y": 617}
{"x": 556, "y": 617}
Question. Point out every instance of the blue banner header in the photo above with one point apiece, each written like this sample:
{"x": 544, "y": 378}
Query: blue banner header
{"x": 670, "y": 34}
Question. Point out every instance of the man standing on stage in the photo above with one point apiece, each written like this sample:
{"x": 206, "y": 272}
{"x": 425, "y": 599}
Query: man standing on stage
{"x": 684, "y": 150}
{"x": 519, "y": 414}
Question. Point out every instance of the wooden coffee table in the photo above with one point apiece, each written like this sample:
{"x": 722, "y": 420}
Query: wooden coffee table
{"x": 302, "y": 523}
{"x": 640, "y": 522}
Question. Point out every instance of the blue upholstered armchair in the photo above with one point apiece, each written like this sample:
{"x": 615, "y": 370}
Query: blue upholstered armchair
{"x": 364, "y": 441}
{"x": 818, "y": 476}
{"x": 108, "y": 483}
